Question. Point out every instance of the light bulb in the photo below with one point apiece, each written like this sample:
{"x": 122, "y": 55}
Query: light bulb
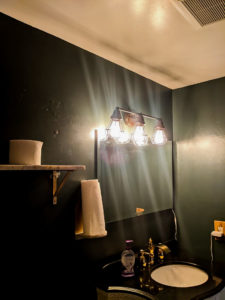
{"x": 124, "y": 138}
{"x": 114, "y": 129}
{"x": 139, "y": 136}
{"x": 102, "y": 134}
{"x": 159, "y": 137}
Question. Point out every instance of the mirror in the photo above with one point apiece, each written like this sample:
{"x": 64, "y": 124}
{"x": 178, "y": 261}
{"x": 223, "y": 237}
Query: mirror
{"x": 134, "y": 177}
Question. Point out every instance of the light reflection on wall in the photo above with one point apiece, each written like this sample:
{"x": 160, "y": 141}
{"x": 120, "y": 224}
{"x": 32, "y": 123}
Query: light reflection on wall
{"x": 204, "y": 149}
{"x": 200, "y": 168}
{"x": 132, "y": 177}
{"x": 123, "y": 189}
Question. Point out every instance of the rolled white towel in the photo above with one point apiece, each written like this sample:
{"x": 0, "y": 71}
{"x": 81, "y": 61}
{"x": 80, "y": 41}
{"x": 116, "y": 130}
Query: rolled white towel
{"x": 25, "y": 152}
{"x": 92, "y": 209}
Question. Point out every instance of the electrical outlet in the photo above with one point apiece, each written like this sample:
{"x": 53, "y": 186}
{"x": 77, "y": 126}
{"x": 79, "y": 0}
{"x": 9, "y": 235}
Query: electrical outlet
{"x": 218, "y": 224}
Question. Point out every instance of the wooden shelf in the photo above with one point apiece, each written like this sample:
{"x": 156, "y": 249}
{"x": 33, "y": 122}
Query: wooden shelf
{"x": 55, "y": 173}
{"x": 42, "y": 167}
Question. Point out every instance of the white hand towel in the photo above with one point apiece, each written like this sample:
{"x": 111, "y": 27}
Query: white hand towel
{"x": 92, "y": 209}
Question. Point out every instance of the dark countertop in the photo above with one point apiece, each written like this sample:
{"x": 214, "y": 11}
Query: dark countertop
{"x": 109, "y": 279}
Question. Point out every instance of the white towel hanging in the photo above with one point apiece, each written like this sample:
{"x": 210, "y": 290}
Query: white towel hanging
{"x": 92, "y": 209}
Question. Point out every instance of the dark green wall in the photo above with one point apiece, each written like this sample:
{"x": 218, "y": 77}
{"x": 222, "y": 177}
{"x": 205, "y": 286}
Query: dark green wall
{"x": 199, "y": 138}
{"x": 57, "y": 93}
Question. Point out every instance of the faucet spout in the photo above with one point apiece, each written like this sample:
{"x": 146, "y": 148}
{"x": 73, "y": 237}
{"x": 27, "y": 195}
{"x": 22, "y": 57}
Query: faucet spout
{"x": 164, "y": 248}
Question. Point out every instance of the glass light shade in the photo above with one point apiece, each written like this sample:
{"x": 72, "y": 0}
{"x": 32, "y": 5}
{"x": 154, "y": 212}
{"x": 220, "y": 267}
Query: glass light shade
{"x": 159, "y": 136}
{"x": 124, "y": 138}
{"x": 102, "y": 134}
{"x": 139, "y": 136}
{"x": 115, "y": 129}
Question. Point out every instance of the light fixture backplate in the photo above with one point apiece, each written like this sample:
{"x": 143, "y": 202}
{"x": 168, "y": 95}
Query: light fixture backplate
{"x": 130, "y": 119}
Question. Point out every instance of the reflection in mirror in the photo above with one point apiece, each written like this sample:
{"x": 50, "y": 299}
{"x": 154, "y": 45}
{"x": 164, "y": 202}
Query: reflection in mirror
{"x": 134, "y": 177}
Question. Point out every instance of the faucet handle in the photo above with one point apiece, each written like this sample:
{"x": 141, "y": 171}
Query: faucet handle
{"x": 150, "y": 241}
{"x": 142, "y": 259}
{"x": 151, "y": 247}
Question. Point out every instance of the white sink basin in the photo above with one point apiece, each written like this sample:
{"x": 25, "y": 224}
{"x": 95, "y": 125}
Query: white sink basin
{"x": 179, "y": 275}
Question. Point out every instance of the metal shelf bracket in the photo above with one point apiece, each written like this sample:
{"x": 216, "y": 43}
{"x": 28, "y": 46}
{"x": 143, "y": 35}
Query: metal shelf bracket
{"x": 56, "y": 189}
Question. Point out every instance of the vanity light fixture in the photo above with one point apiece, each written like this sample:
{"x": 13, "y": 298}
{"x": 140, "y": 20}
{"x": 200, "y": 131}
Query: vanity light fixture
{"x": 139, "y": 137}
{"x": 115, "y": 130}
{"x": 159, "y": 136}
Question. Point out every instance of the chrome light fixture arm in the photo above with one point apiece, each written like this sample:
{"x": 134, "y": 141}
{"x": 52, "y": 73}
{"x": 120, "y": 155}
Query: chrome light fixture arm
{"x": 136, "y": 113}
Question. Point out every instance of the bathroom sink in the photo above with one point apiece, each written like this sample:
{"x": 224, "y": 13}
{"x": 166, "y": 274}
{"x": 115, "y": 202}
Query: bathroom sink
{"x": 180, "y": 275}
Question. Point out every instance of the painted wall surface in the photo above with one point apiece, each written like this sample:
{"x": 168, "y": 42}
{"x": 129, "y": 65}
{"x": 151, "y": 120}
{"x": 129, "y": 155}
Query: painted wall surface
{"x": 57, "y": 93}
{"x": 199, "y": 135}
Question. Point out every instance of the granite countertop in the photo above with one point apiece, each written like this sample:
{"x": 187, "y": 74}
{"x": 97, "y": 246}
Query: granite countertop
{"x": 109, "y": 279}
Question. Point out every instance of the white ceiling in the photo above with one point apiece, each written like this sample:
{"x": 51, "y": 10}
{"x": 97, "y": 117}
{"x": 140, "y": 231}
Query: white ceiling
{"x": 149, "y": 37}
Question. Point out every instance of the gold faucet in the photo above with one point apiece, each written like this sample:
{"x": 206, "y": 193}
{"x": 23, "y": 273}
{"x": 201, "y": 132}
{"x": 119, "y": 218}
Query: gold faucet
{"x": 151, "y": 249}
{"x": 143, "y": 262}
{"x": 148, "y": 256}
{"x": 162, "y": 250}
{"x": 148, "y": 253}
